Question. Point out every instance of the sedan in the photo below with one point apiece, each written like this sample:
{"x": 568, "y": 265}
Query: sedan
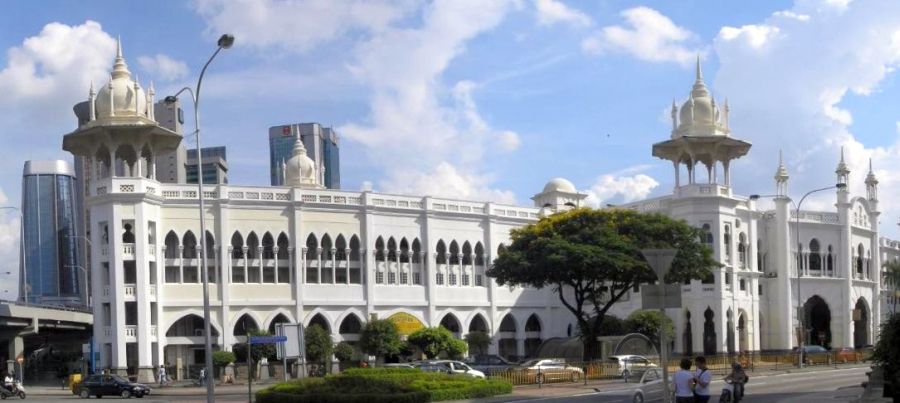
{"x": 110, "y": 385}
{"x": 550, "y": 369}
{"x": 650, "y": 387}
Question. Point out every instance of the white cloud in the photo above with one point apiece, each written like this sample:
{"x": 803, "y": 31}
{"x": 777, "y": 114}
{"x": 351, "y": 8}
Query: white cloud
{"x": 623, "y": 186}
{"x": 551, "y": 12}
{"x": 786, "y": 91}
{"x": 164, "y": 67}
{"x": 9, "y": 250}
{"x": 297, "y": 25}
{"x": 447, "y": 180}
{"x": 647, "y": 35}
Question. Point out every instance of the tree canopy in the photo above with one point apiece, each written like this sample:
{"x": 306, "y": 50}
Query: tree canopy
{"x": 892, "y": 278}
{"x": 380, "y": 338}
{"x": 647, "y": 323}
{"x": 591, "y": 258}
{"x": 436, "y": 340}
{"x": 318, "y": 343}
{"x": 478, "y": 342}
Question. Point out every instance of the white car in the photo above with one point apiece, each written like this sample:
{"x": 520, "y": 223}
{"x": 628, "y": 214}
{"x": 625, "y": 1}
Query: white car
{"x": 651, "y": 387}
{"x": 452, "y": 367}
{"x": 630, "y": 365}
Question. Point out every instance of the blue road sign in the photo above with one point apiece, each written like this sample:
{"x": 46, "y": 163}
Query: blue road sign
{"x": 267, "y": 339}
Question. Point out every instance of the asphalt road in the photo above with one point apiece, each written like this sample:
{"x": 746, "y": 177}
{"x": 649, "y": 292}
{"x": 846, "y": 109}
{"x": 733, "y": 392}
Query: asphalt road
{"x": 841, "y": 385}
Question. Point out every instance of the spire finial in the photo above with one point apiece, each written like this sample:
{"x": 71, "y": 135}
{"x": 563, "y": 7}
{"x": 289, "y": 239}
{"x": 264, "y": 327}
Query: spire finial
{"x": 870, "y": 164}
{"x": 699, "y": 70}
{"x": 120, "y": 69}
{"x": 118, "y": 47}
{"x": 842, "y": 154}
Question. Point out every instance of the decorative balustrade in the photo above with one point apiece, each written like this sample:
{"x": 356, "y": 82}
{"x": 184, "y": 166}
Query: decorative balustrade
{"x": 131, "y": 331}
{"x": 129, "y": 290}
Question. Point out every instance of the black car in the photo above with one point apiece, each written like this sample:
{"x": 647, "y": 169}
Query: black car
{"x": 489, "y": 363}
{"x": 110, "y": 385}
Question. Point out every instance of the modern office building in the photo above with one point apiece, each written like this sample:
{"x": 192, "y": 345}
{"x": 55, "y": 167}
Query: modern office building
{"x": 321, "y": 144}
{"x": 215, "y": 165}
{"x": 51, "y": 273}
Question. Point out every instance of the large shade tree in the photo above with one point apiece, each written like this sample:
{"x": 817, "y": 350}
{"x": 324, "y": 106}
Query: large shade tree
{"x": 591, "y": 258}
{"x": 892, "y": 278}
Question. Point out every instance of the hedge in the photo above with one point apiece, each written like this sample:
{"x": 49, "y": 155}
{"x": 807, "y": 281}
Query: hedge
{"x": 377, "y": 385}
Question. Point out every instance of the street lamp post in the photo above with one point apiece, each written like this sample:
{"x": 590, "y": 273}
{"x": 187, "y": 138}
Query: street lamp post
{"x": 225, "y": 42}
{"x": 24, "y": 281}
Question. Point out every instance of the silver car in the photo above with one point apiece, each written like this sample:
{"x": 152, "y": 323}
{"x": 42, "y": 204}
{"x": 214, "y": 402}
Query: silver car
{"x": 630, "y": 365}
{"x": 650, "y": 387}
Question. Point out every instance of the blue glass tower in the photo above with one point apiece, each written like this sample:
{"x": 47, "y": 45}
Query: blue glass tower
{"x": 50, "y": 270}
{"x": 321, "y": 145}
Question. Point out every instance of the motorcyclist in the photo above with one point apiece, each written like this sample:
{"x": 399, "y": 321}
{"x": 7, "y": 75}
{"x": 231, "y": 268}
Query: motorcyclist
{"x": 9, "y": 382}
{"x": 737, "y": 378}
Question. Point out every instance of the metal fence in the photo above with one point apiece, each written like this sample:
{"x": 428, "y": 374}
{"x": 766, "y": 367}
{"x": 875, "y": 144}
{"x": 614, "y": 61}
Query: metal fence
{"x": 717, "y": 364}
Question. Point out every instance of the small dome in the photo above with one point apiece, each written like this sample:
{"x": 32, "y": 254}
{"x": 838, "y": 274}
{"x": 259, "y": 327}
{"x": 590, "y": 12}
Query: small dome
{"x": 559, "y": 185}
{"x": 300, "y": 170}
{"x": 699, "y": 114}
{"x": 123, "y": 90}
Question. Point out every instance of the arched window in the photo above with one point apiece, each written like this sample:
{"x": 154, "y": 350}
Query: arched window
{"x": 727, "y": 239}
{"x": 742, "y": 250}
{"x": 479, "y": 254}
{"x": 171, "y": 245}
{"x": 829, "y": 261}
{"x": 404, "y": 251}
{"x": 237, "y": 246}
{"x": 454, "y": 252}
{"x": 312, "y": 257}
{"x": 354, "y": 248}
{"x": 190, "y": 246}
{"x": 379, "y": 249}
{"x": 815, "y": 259}
{"x": 441, "y": 251}
{"x": 268, "y": 244}
{"x": 707, "y": 235}
{"x": 533, "y": 324}
{"x": 312, "y": 244}
{"x": 350, "y": 325}
{"x": 760, "y": 263}
{"x": 392, "y": 250}
{"x": 283, "y": 246}
{"x": 416, "y": 251}
{"x": 467, "y": 253}
{"x": 341, "y": 245}
{"x": 860, "y": 252}
{"x": 326, "y": 249}
{"x": 252, "y": 246}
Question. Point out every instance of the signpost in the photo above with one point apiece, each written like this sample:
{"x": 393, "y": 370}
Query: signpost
{"x": 251, "y": 340}
{"x": 658, "y": 297}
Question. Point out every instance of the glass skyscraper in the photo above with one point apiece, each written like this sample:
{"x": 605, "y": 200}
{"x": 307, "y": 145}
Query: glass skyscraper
{"x": 321, "y": 145}
{"x": 50, "y": 273}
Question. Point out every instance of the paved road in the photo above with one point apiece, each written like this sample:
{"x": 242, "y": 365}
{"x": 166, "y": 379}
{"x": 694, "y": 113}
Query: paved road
{"x": 841, "y": 385}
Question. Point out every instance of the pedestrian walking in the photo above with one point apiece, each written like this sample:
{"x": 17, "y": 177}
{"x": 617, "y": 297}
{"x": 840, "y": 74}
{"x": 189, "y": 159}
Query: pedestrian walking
{"x": 163, "y": 377}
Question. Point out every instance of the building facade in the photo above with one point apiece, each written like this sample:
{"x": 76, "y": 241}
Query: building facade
{"x": 215, "y": 165}
{"x": 304, "y": 253}
{"x": 50, "y": 269}
{"x": 320, "y": 142}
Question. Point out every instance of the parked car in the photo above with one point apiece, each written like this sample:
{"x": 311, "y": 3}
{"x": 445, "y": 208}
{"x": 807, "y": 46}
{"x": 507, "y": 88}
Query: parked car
{"x": 397, "y": 365}
{"x": 549, "y": 369}
{"x": 489, "y": 363}
{"x": 630, "y": 365}
{"x": 450, "y": 367}
{"x": 110, "y": 385}
{"x": 650, "y": 386}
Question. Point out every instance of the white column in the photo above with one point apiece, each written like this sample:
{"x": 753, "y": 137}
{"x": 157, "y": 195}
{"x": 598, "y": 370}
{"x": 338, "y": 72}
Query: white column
{"x": 346, "y": 265}
{"x": 333, "y": 266}
{"x": 277, "y": 263}
{"x": 245, "y": 249}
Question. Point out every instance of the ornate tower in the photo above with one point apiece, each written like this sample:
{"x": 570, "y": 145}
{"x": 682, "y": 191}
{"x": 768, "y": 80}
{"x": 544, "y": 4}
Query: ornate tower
{"x": 700, "y": 134}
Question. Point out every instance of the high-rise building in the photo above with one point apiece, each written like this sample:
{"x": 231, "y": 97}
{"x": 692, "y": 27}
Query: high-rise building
{"x": 321, "y": 144}
{"x": 215, "y": 165}
{"x": 50, "y": 272}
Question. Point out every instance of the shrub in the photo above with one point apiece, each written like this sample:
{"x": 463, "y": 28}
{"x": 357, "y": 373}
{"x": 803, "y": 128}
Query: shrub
{"x": 887, "y": 350}
{"x": 318, "y": 343}
{"x": 435, "y": 340}
{"x": 343, "y": 351}
{"x": 222, "y": 358}
{"x": 478, "y": 342}
{"x": 380, "y": 338}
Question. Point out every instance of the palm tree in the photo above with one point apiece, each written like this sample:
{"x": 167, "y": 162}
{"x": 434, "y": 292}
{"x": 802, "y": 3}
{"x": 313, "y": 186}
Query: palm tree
{"x": 892, "y": 278}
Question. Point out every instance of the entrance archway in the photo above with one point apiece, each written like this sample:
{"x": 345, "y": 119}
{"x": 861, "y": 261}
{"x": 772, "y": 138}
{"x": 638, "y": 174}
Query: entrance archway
{"x": 743, "y": 332}
{"x": 709, "y": 332}
{"x": 861, "y": 323}
{"x": 817, "y": 322}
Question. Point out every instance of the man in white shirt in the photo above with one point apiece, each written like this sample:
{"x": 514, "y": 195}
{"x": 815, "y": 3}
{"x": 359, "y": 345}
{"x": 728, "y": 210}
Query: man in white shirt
{"x": 683, "y": 382}
{"x": 702, "y": 377}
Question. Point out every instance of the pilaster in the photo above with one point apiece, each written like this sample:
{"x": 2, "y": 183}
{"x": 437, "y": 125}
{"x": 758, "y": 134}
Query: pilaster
{"x": 781, "y": 313}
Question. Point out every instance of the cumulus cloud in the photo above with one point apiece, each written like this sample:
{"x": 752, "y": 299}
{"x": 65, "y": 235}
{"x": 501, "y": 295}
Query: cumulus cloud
{"x": 623, "y": 186}
{"x": 164, "y": 67}
{"x": 550, "y": 12}
{"x": 9, "y": 250}
{"x": 647, "y": 35}
{"x": 297, "y": 25}
{"x": 778, "y": 100}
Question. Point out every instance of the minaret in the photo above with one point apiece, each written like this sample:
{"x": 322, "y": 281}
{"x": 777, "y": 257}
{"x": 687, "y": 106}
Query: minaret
{"x": 781, "y": 177}
{"x": 674, "y": 116}
{"x": 727, "y": 109}
{"x": 871, "y": 185}
{"x": 843, "y": 173}
{"x": 91, "y": 109}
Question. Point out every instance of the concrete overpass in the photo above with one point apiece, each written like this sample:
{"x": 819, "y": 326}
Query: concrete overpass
{"x": 22, "y": 325}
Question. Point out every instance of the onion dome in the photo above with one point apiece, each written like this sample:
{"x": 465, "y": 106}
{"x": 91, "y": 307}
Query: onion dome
{"x": 300, "y": 170}
{"x": 122, "y": 96}
{"x": 559, "y": 185}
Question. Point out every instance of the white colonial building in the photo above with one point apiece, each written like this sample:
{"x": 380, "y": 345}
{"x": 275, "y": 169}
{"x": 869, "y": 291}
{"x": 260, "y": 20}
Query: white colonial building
{"x": 301, "y": 253}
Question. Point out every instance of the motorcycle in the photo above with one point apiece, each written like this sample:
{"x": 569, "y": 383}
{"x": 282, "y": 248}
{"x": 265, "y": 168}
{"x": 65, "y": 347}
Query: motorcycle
{"x": 17, "y": 390}
{"x": 730, "y": 392}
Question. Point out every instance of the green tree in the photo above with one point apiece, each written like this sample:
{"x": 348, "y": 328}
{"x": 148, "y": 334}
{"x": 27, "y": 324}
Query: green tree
{"x": 380, "y": 338}
{"x": 647, "y": 323}
{"x": 887, "y": 350}
{"x": 318, "y": 343}
{"x": 222, "y": 358}
{"x": 591, "y": 258}
{"x": 892, "y": 279}
{"x": 478, "y": 342}
{"x": 343, "y": 351}
{"x": 259, "y": 350}
{"x": 611, "y": 325}
{"x": 436, "y": 340}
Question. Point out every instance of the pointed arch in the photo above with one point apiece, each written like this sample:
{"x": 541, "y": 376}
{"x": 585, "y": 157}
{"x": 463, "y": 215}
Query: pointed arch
{"x": 479, "y": 254}
{"x": 312, "y": 245}
{"x": 416, "y": 251}
{"x": 190, "y": 325}
{"x": 532, "y": 334}
{"x": 508, "y": 324}
{"x": 533, "y": 324}
{"x": 379, "y": 249}
{"x": 354, "y": 248}
{"x": 861, "y": 323}
{"x": 451, "y": 323}
{"x": 404, "y": 250}
{"x": 252, "y": 246}
{"x": 478, "y": 324}
{"x": 268, "y": 245}
{"x": 327, "y": 245}
{"x": 321, "y": 320}
{"x": 350, "y": 325}
{"x": 391, "y": 249}
{"x": 687, "y": 336}
{"x": 244, "y": 324}
{"x": 171, "y": 245}
{"x": 454, "y": 252}
{"x": 340, "y": 246}
{"x": 190, "y": 245}
{"x": 709, "y": 332}
{"x": 210, "y": 245}
{"x": 280, "y": 317}
{"x": 441, "y": 251}
{"x": 237, "y": 245}
{"x": 507, "y": 343}
{"x": 467, "y": 253}
{"x": 283, "y": 245}
{"x": 815, "y": 257}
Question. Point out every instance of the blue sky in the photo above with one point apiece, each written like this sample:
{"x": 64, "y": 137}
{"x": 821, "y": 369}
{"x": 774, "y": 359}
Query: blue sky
{"x": 479, "y": 100}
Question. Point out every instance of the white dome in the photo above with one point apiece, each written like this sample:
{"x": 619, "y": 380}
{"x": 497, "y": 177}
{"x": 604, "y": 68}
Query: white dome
{"x": 128, "y": 98}
{"x": 300, "y": 170}
{"x": 559, "y": 185}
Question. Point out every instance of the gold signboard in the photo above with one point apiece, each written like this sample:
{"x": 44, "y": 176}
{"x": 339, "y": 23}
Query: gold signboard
{"x": 406, "y": 323}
